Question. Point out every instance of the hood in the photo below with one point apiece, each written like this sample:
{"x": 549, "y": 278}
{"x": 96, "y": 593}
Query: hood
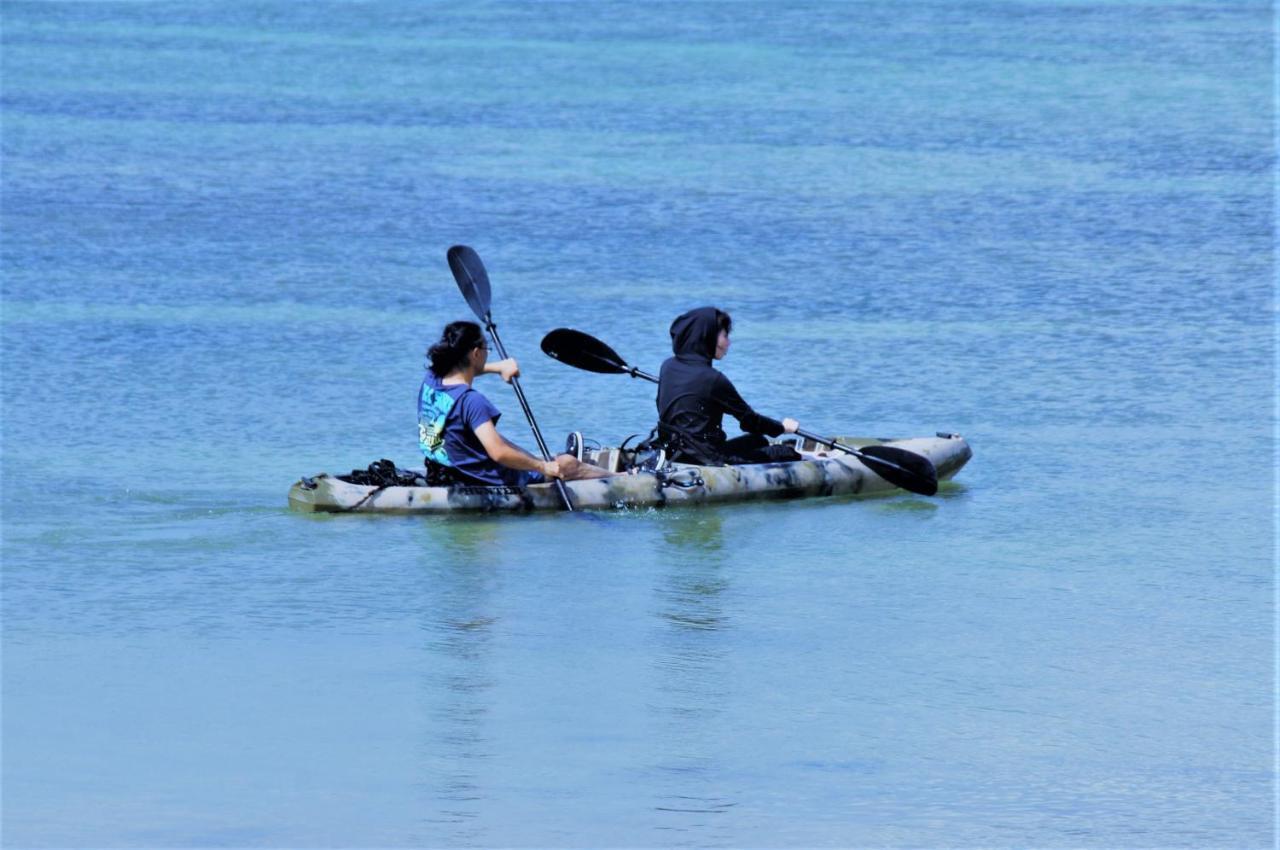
{"x": 693, "y": 334}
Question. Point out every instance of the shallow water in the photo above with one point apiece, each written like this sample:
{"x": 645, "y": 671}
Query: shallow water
{"x": 1047, "y": 226}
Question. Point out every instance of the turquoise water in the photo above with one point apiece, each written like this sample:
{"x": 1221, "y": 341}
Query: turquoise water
{"x": 1045, "y": 225}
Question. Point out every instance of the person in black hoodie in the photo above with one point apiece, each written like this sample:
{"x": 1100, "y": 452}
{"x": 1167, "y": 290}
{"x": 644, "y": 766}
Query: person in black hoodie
{"x": 693, "y": 398}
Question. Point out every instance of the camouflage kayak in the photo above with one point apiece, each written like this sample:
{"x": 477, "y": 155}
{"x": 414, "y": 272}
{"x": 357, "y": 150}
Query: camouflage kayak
{"x": 818, "y": 473}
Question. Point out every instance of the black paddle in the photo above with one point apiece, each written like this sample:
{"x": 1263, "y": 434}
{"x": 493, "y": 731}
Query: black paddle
{"x": 473, "y": 280}
{"x": 898, "y": 466}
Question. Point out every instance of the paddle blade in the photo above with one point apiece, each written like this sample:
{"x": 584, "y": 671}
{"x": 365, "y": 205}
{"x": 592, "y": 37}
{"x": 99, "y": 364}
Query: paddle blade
{"x": 901, "y": 468}
{"x": 472, "y": 279}
{"x": 582, "y": 351}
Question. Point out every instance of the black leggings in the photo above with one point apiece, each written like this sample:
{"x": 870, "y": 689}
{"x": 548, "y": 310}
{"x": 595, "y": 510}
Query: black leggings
{"x": 750, "y": 448}
{"x": 755, "y": 448}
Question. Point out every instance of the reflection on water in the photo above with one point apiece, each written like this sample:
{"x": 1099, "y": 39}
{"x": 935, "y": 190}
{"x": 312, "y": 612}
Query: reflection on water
{"x": 692, "y": 683}
{"x": 693, "y": 530}
{"x": 458, "y": 628}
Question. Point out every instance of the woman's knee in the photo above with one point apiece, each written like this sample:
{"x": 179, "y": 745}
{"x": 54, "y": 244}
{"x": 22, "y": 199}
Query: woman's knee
{"x": 572, "y": 469}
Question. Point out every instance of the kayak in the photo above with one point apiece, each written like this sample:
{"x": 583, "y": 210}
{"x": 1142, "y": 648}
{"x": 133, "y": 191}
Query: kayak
{"x": 819, "y": 472}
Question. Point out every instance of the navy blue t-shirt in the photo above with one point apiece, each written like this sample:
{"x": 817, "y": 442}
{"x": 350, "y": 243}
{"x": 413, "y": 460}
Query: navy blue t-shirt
{"x": 463, "y": 409}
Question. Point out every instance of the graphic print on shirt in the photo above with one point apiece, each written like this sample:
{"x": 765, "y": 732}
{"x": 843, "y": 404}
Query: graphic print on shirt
{"x": 434, "y": 407}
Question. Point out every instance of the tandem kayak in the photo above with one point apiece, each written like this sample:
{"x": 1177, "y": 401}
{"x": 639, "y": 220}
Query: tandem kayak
{"x": 817, "y": 473}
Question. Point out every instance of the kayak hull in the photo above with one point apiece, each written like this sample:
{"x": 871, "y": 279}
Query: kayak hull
{"x": 818, "y": 473}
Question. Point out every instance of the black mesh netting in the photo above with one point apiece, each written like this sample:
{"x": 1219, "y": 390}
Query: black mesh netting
{"x": 384, "y": 473}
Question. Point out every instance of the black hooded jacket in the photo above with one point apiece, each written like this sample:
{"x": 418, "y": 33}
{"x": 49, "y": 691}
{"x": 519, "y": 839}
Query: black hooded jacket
{"x": 693, "y": 397}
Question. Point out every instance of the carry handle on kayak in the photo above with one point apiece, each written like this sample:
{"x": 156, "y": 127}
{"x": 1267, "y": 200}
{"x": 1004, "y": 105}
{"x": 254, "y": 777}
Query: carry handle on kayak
{"x": 473, "y": 281}
{"x": 901, "y": 468}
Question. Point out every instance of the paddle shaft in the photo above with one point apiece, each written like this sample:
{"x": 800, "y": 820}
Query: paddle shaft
{"x": 808, "y": 435}
{"x": 528, "y": 412}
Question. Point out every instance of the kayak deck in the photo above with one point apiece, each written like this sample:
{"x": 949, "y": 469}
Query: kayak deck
{"x": 818, "y": 473}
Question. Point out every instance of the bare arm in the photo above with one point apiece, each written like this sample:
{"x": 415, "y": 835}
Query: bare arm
{"x": 508, "y": 369}
{"x": 503, "y": 451}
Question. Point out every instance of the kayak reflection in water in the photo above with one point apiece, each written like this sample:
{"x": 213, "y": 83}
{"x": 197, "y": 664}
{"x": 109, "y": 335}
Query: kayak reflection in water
{"x": 693, "y": 398}
{"x": 457, "y": 425}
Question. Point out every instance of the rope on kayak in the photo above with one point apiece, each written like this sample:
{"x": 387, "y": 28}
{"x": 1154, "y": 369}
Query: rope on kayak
{"x": 367, "y": 497}
{"x": 380, "y": 475}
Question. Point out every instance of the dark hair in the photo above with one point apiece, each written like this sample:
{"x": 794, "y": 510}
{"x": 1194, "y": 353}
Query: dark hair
{"x": 724, "y": 322}
{"x": 457, "y": 340}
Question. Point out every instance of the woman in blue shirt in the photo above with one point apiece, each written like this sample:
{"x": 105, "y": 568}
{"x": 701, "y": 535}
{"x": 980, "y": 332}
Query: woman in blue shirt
{"x": 457, "y": 425}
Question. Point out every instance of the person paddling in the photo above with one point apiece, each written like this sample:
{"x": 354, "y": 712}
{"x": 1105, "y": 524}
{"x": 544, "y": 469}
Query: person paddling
{"x": 457, "y": 425}
{"x": 693, "y": 398}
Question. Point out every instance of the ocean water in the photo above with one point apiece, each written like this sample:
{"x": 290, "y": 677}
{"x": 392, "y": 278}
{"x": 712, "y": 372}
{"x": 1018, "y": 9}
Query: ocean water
{"x": 1046, "y": 225}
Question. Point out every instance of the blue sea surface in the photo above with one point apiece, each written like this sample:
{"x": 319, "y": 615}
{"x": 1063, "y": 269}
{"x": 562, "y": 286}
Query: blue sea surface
{"x": 1048, "y": 226}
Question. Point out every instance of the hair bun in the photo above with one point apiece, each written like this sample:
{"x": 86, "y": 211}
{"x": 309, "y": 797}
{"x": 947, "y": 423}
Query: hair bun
{"x": 457, "y": 340}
